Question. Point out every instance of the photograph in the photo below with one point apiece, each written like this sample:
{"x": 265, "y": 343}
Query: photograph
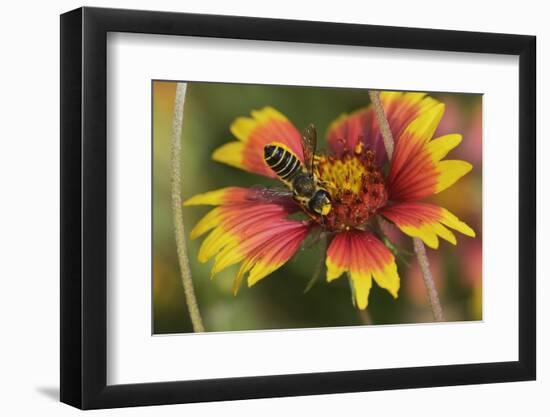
{"x": 244, "y": 208}
{"x": 314, "y": 207}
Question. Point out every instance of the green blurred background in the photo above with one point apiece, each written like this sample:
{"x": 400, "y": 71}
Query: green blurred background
{"x": 279, "y": 300}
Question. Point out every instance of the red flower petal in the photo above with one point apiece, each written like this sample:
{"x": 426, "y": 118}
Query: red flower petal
{"x": 364, "y": 257}
{"x": 265, "y": 126}
{"x": 247, "y": 228}
{"x": 417, "y": 169}
{"x": 400, "y": 109}
{"x": 427, "y": 222}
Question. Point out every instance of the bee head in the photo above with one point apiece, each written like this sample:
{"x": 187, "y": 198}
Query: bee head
{"x": 320, "y": 203}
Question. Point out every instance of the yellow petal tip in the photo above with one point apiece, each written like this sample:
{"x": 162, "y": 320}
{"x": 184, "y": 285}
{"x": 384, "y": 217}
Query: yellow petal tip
{"x": 361, "y": 306}
{"x": 468, "y": 231}
{"x": 211, "y": 198}
{"x": 231, "y": 154}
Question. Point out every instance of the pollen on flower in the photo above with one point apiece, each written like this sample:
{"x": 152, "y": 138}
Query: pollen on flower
{"x": 356, "y": 186}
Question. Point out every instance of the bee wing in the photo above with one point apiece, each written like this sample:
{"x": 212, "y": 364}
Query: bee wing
{"x": 309, "y": 144}
{"x": 275, "y": 195}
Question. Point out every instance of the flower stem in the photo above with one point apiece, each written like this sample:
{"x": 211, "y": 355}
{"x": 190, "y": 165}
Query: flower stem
{"x": 382, "y": 122}
{"x": 420, "y": 251}
{"x": 419, "y": 248}
{"x": 177, "y": 210}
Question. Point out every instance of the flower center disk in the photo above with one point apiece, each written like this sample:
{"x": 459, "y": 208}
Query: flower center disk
{"x": 356, "y": 186}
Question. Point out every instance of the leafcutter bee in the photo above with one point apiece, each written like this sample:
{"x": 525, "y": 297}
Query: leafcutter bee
{"x": 307, "y": 190}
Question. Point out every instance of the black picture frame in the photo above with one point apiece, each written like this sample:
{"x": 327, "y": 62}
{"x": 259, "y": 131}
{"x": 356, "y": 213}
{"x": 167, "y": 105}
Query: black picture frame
{"x": 84, "y": 207}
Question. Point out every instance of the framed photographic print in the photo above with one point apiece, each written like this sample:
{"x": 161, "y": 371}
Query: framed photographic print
{"x": 257, "y": 208}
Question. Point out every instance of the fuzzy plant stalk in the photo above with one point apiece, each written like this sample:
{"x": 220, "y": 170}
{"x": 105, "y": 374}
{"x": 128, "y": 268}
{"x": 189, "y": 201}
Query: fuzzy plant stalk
{"x": 419, "y": 248}
{"x": 177, "y": 210}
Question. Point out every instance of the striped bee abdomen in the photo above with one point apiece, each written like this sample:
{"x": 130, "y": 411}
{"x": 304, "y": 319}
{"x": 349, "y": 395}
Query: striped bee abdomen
{"x": 282, "y": 161}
